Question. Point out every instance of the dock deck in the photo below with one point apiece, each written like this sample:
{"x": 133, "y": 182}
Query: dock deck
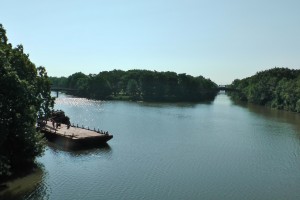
{"x": 75, "y": 134}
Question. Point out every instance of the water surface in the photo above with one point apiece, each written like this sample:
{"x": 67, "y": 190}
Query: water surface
{"x": 176, "y": 151}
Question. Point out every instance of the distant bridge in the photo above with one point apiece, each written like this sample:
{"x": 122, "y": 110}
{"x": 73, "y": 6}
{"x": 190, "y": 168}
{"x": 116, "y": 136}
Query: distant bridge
{"x": 226, "y": 88}
{"x": 59, "y": 89}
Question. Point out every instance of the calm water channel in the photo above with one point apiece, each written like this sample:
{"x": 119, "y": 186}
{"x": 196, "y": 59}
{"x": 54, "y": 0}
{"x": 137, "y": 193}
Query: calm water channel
{"x": 176, "y": 151}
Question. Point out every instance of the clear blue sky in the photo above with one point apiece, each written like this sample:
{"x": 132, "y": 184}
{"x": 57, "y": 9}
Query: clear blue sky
{"x": 221, "y": 40}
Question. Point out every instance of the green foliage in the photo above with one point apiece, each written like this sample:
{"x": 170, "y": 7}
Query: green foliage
{"x": 140, "y": 85}
{"x": 24, "y": 96}
{"x": 278, "y": 88}
{"x": 98, "y": 87}
{"x": 132, "y": 87}
{"x": 58, "y": 82}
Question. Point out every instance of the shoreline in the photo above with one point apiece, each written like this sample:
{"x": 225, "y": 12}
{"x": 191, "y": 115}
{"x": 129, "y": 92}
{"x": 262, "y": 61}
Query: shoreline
{"x": 135, "y": 99}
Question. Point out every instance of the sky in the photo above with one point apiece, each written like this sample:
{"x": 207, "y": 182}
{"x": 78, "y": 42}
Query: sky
{"x": 218, "y": 39}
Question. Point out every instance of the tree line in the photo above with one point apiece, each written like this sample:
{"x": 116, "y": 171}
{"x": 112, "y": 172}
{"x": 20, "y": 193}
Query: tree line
{"x": 139, "y": 85}
{"x": 24, "y": 96}
{"x": 277, "y": 88}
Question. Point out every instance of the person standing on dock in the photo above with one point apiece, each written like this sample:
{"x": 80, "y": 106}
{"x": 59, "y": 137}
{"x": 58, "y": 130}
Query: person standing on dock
{"x": 53, "y": 123}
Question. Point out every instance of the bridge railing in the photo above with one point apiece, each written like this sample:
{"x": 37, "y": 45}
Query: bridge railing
{"x": 62, "y": 89}
{"x": 59, "y": 89}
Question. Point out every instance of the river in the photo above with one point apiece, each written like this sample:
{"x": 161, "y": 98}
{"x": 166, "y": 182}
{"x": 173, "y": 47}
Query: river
{"x": 217, "y": 150}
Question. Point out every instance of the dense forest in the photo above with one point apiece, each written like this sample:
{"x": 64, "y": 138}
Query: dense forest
{"x": 278, "y": 88}
{"x": 24, "y": 96}
{"x": 139, "y": 85}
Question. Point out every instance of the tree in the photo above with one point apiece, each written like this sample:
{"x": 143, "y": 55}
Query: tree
{"x": 99, "y": 87}
{"x": 114, "y": 78}
{"x": 24, "y": 96}
{"x": 73, "y": 79}
{"x": 147, "y": 82}
{"x": 278, "y": 88}
{"x": 132, "y": 87}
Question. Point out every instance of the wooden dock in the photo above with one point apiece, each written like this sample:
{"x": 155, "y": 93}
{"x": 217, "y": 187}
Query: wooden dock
{"x": 74, "y": 135}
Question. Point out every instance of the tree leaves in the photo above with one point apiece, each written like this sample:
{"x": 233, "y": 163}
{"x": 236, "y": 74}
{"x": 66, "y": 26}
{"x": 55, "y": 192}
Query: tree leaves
{"x": 24, "y": 96}
{"x": 278, "y": 88}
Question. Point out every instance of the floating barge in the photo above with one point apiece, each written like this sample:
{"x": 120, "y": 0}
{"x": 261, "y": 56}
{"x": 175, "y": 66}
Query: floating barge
{"x": 74, "y": 136}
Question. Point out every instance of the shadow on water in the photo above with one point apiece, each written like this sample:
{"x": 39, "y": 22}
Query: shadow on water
{"x": 278, "y": 115}
{"x": 178, "y": 105}
{"x": 34, "y": 186}
{"x": 80, "y": 150}
{"x": 24, "y": 187}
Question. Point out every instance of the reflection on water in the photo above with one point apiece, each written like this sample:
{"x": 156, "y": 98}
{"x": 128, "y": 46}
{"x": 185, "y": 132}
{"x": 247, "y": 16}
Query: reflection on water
{"x": 273, "y": 114}
{"x": 80, "y": 150}
{"x": 165, "y": 105}
{"x": 78, "y": 102}
{"x": 176, "y": 151}
{"x": 22, "y": 187}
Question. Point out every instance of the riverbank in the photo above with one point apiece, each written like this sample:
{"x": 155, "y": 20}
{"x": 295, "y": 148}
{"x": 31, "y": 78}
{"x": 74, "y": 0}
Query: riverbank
{"x": 139, "y": 99}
